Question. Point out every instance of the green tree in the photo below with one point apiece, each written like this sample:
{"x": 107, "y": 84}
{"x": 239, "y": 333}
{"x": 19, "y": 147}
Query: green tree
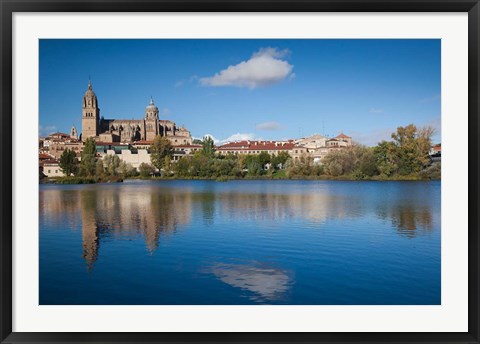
{"x": 279, "y": 160}
{"x": 357, "y": 161}
{"x": 146, "y": 170}
{"x": 385, "y": 158}
{"x": 111, "y": 163}
{"x": 167, "y": 165}
{"x": 208, "y": 148}
{"x": 68, "y": 162}
{"x": 88, "y": 162}
{"x": 182, "y": 167}
{"x": 160, "y": 148}
{"x": 264, "y": 159}
{"x": 125, "y": 169}
{"x": 412, "y": 147}
{"x": 99, "y": 169}
{"x": 197, "y": 142}
{"x": 253, "y": 165}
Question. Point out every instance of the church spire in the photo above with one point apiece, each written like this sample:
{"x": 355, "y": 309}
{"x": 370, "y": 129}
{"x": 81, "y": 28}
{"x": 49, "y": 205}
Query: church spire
{"x": 89, "y": 83}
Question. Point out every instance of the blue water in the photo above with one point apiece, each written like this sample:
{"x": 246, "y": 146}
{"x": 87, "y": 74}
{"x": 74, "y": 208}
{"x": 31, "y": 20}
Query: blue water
{"x": 240, "y": 242}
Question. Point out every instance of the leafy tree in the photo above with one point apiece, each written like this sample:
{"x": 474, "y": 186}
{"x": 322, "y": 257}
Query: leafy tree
{"x": 146, "y": 170}
{"x": 412, "y": 147}
{"x": 125, "y": 169}
{"x": 197, "y": 142}
{"x": 358, "y": 161}
{"x": 252, "y": 164}
{"x": 68, "y": 162}
{"x": 182, "y": 167}
{"x": 302, "y": 167}
{"x": 264, "y": 159}
{"x": 167, "y": 165}
{"x": 160, "y": 148}
{"x": 385, "y": 158}
{"x": 208, "y": 148}
{"x": 99, "y": 168}
{"x": 111, "y": 163}
{"x": 88, "y": 162}
{"x": 279, "y": 160}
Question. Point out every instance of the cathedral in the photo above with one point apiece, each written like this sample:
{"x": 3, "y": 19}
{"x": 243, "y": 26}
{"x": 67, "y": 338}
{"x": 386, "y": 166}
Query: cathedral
{"x": 123, "y": 130}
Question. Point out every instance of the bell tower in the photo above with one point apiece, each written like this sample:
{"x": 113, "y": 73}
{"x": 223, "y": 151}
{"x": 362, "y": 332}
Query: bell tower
{"x": 90, "y": 114}
{"x": 151, "y": 121}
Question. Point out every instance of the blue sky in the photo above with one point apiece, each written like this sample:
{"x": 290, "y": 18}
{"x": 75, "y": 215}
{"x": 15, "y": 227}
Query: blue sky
{"x": 255, "y": 89}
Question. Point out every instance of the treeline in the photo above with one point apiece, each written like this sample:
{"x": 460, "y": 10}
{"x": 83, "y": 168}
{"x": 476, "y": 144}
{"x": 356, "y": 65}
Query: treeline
{"x": 406, "y": 156}
{"x": 91, "y": 169}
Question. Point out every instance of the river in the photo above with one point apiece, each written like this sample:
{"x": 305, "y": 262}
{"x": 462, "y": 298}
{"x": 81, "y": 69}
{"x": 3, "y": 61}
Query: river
{"x": 240, "y": 242}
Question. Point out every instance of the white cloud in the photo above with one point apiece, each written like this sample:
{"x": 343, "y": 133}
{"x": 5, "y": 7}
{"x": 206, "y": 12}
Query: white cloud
{"x": 269, "y": 126}
{"x": 264, "y": 68}
{"x": 165, "y": 111}
{"x": 46, "y": 130}
{"x": 179, "y": 83}
{"x": 238, "y": 137}
{"x": 375, "y": 110}
{"x": 234, "y": 137}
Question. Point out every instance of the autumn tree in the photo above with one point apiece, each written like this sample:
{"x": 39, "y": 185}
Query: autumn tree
{"x": 411, "y": 148}
{"x": 159, "y": 150}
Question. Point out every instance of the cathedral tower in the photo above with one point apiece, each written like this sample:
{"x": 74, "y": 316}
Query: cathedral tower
{"x": 90, "y": 114}
{"x": 151, "y": 121}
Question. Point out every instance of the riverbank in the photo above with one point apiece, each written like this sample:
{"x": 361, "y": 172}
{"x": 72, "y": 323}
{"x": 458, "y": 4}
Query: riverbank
{"x": 81, "y": 180}
{"x": 87, "y": 180}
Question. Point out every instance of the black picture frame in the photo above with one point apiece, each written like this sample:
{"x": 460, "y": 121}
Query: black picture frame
{"x": 8, "y": 7}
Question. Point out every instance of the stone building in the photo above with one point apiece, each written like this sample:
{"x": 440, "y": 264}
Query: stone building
{"x": 124, "y": 130}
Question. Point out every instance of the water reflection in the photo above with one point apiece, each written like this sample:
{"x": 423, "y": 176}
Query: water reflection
{"x": 151, "y": 211}
{"x": 407, "y": 219}
{"x": 266, "y": 283}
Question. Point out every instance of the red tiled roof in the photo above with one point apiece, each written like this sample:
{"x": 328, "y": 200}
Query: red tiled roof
{"x": 43, "y": 156}
{"x": 342, "y": 136}
{"x": 49, "y": 162}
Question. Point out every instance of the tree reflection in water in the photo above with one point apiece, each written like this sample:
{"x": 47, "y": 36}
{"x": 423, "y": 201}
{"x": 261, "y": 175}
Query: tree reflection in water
{"x": 152, "y": 211}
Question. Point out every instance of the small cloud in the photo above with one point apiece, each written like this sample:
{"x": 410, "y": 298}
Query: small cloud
{"x": 430, "y": 99}
{"x": 269, "y": 126}
{"x": 239, "y": 137}
{"x": 165, "y": 111}
{"x": 375, "y": 110}
{"x": 264, "y": 68}
{"x": 46, "y": 130}
{"x": 179, "y": 83}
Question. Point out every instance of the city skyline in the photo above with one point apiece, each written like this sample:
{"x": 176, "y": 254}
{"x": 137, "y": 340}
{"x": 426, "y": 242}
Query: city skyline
{"x": 248, "y": 89}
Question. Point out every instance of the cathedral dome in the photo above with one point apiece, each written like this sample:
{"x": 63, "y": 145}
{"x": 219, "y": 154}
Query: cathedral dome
{"x": 152, "y": 106}
{"x": 89, "y": 91}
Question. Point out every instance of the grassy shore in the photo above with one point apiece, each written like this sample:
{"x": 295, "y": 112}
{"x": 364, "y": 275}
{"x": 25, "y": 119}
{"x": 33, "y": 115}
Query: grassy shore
{"x": 81, "y": 180}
